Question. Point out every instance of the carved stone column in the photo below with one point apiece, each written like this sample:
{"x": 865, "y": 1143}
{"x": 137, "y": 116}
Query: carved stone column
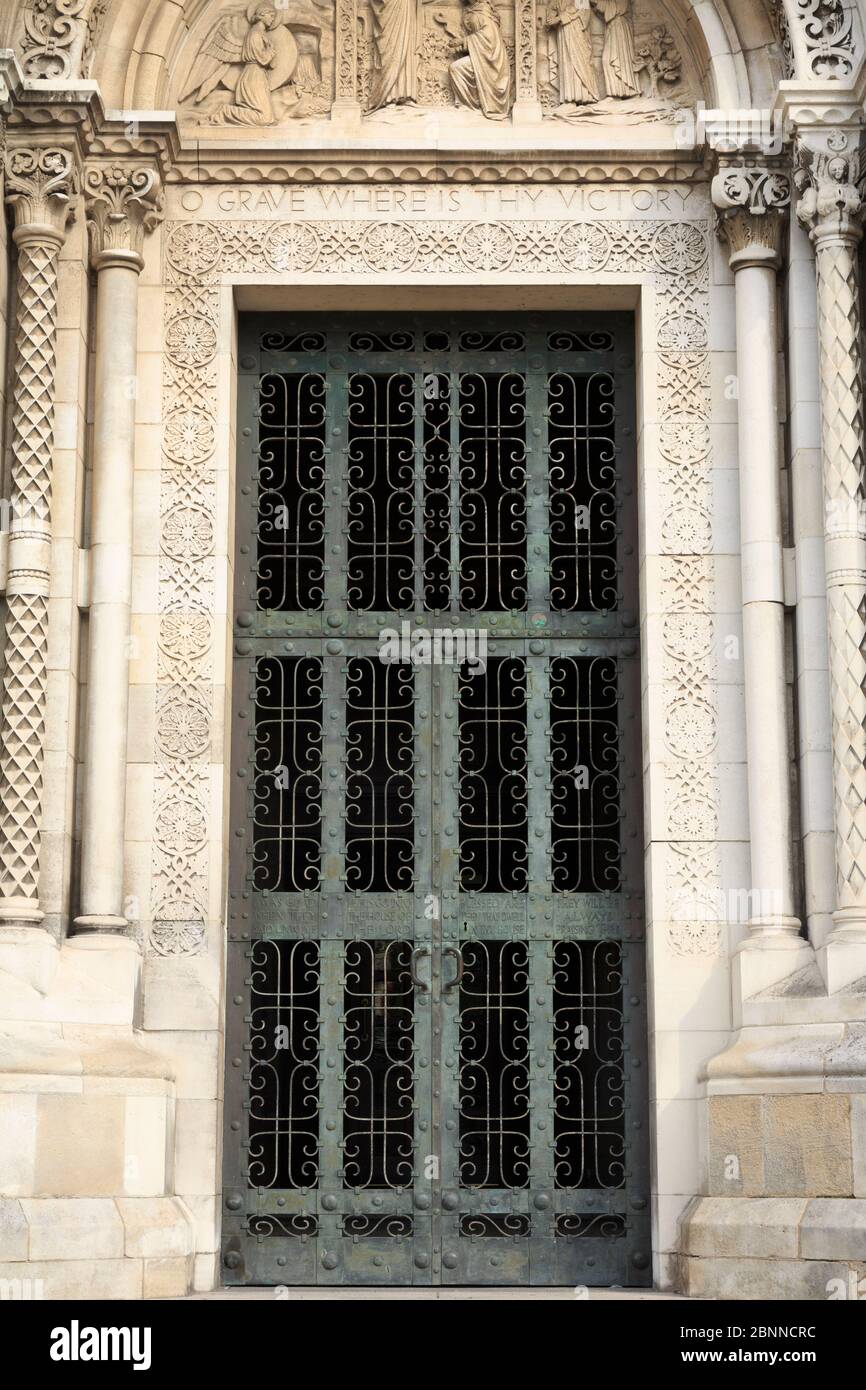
{"x": 39, "y": 185}
{"x": 752, "y": 207}
{"x": 122, "y": 204}
{"x": 346, "y": 107}
{"x": 831, "y": 207}
{"x": 527, "y": 106}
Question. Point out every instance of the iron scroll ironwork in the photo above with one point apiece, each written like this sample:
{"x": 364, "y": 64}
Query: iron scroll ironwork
{"x": 436, "y": 1036}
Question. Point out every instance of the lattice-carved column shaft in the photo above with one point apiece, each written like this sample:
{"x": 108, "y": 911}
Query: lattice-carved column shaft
{"x": 831, "y": 207}
{"x": 39, "y": 185}
{"x": 752, "y": 208}
{"x": 123, "y": 204}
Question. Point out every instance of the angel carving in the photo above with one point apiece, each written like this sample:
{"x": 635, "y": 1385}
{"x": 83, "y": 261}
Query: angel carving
{"x": 254, "y": 54}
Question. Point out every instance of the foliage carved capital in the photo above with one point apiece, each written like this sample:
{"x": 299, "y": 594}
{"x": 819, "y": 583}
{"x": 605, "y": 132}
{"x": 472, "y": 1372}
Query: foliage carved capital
{"x": 123, "y": 203}
{"x": 751, "y": 203}
{"x": 40, "y": 187}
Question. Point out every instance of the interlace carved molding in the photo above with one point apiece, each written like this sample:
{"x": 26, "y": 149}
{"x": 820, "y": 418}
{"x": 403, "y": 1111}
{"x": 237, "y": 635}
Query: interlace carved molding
{"x": 199, "y": 258}
{"x": 59, "y": 37}
{"x": 827, "y": 28}
{"x": 823, "y": 38}
{"x": 346, "y": 79}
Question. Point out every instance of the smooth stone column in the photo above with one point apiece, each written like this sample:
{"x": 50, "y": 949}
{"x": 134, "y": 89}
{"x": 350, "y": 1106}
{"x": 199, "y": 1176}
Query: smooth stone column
{"x": 813, "y": 682}
{"x": 831, "y": 207}
{"x": 752, "y": 207}
{"x": 121, "y": 207}
{"x": 39, "y": 185}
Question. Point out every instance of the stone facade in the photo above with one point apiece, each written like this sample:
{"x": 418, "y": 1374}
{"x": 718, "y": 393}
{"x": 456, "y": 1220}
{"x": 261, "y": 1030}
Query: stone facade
{"x": 167, "y": 168}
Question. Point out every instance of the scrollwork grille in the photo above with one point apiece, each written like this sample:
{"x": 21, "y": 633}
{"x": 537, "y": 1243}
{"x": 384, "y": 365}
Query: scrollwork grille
{"x": 493, "y": 778}
{"x": 438, "y": 499}
{"x": 286, "y": 784}
{"x": 283, "y": 1148}
{"x": 291, "y": 477}
{"x": 378, "y": 1085}
{"x": 494, "y": 1066}
{"x": 583, "y": 512}
{"x": 584, "y": 767}
{"x": 435, "y": 915}
{"x": 492, "y": 465}
{"x": 380, "y": 843}
{"x": 589, "y": 1115}
{"x": 381, "y": 477}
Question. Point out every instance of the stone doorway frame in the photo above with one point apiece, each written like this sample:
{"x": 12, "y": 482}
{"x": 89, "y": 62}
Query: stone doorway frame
{"x": 667, "y": 270}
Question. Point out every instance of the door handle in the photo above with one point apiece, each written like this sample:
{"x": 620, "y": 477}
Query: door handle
{"x": 417, "y": 953}
{"x": 456, "y": 952}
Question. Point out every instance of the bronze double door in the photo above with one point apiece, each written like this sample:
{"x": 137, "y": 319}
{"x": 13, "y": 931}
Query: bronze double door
{"x": 436, "y": 1005}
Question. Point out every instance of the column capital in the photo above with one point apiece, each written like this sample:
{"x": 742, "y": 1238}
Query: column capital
{"x": 751, "y": 202}
{"x": 123, "y": 202}
{"x": 41, "y": 184}
{"x": 830, "y": 177}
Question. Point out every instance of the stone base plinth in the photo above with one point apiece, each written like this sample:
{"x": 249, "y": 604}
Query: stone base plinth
{"x": 774, "y": 1248}
{"x": 95, "y": 1248}
{"x": 90, "y": 1117}
{"x": 87, "y": 1209}
{"x": 784, "y": 1131}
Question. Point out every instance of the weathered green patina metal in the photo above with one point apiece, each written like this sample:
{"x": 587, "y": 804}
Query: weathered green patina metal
{"x": 436, "y": 1056}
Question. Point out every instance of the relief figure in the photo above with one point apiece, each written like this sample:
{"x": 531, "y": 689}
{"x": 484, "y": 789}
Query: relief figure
{"x": 618, "y": 56}
{"x": 482, "y": 77}
{"x": 396, "y": 39}
{"x": 571, "y": 21}
{"x": 253, "y": 54}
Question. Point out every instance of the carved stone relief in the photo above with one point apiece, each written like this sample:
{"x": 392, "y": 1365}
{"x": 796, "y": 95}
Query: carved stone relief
{"x": 823, "y": 40}
{"x": 263, "y": 64}
{"x": 199, "y": 257}
{"x": 604, "y": 60}
{"x": 454, "y": 55}
{"x": 59, "y": 37}
{"x": 481, "y": 77}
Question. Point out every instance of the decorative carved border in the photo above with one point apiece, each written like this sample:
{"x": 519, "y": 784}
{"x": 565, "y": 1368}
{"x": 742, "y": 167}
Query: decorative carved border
{"x": 199, "y": 257}
{"x": 552, "y": 166}
{"x": 824, "y": 39}
{"x": 59, "y": 38}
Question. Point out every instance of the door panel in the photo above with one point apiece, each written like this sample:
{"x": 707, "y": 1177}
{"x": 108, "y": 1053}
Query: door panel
{"x": 436, "y": 1032}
